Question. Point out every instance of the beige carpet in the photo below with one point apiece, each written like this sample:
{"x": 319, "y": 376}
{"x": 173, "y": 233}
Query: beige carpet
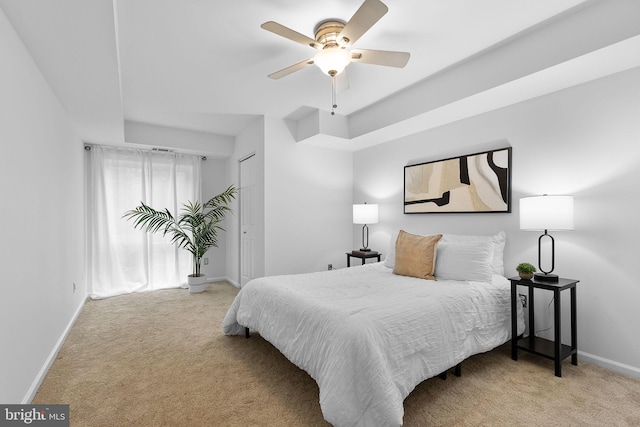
{"x": 160, "y": 359}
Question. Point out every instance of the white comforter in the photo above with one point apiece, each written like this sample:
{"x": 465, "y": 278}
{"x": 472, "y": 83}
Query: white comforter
{"x": 368, "y": 337}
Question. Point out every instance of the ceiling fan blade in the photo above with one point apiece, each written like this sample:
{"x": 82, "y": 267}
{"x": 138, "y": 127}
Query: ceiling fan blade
{"x": 388, "y": 58}
{"x": 291, "y": 69}
{"x": 369, "y": 13}
{"x": 342, "y": 82}
{"x": 290, "y": 34}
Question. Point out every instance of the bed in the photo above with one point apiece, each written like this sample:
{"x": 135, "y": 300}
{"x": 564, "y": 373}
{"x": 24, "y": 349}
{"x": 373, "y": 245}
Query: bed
{"x": 368, "y": 335}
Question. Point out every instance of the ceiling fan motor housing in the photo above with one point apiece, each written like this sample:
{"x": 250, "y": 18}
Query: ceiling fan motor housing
{"x": 327, "y": 32}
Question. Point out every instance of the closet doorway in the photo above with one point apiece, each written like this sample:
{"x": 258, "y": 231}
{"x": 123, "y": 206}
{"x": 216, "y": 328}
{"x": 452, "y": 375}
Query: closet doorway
{"x": 248, "y": 217}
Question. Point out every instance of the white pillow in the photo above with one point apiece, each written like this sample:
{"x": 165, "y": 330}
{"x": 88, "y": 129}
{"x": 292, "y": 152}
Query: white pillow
{"x": 465, "y": 260}
{"x": 497, "y": 261}
{"x": 390, "y": 260}
{"x": 499, "y": 241}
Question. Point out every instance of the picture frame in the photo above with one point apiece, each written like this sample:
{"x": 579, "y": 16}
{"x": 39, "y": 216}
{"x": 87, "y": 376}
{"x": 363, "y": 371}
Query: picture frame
{"x": 472, "y": 183}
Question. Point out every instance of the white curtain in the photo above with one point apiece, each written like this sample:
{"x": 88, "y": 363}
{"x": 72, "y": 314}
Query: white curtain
{"x": 122, "y": 259}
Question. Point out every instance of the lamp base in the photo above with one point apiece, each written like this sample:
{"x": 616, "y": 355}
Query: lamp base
{"x": 365, "y": 250}
{"x": 546, "y": 277}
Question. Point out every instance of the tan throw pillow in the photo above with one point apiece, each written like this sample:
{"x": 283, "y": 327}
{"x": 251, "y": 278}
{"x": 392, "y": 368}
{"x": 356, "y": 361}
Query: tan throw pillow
{"x": 416, "y": 255}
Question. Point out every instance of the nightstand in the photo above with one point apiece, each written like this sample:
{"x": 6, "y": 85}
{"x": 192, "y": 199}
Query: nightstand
{"x": 554, "y": 350}
{"x": 362, "y": 255}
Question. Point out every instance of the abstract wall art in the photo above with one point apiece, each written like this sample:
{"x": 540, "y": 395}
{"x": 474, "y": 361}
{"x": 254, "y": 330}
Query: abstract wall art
{"x": 479, "y": 182}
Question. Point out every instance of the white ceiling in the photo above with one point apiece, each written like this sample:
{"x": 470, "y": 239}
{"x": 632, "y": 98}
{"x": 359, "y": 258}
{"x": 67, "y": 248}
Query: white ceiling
{"x": 202, "y": 65}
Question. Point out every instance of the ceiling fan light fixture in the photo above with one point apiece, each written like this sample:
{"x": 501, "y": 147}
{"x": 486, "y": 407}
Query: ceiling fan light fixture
{"x": 332, "y": 60}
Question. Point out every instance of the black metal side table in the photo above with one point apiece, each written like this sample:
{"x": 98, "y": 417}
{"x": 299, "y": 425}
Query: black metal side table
{"x": 554, "y": 350}
{"x": 362, "y": 255}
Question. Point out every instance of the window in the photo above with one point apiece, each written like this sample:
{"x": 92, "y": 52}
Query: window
{"x": 120, "y": 258}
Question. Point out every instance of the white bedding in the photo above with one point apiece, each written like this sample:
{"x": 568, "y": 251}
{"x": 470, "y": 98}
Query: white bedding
{"x": 368, "y": 337}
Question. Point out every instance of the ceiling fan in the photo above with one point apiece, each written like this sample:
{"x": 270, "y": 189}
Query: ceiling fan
{"x": 333, "y": 41}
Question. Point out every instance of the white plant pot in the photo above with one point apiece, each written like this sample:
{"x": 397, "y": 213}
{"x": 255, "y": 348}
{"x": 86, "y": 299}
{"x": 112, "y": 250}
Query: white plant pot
{"x": 197, "y": 283}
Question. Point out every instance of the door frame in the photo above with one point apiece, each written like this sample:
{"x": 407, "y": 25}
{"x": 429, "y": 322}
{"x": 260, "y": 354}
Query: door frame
{"x": 240, "y": 213}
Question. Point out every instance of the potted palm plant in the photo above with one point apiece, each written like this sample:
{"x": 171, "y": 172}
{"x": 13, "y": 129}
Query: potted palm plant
{"x": 194, "y": 229}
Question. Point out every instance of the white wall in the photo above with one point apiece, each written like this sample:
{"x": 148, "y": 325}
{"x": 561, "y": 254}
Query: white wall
{"x": 189, "y": 141}
{"x": 214, "y": 181}
{"x": 582, "y": 141}
{"x": 308, "y": 197}
{"x": 249, "y": 141}
{"x": 42, "y": 221}
{"x": 304, "y": 200}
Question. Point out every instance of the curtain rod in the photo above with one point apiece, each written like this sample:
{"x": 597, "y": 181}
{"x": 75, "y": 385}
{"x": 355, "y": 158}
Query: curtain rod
{"x": 87, "y": 147}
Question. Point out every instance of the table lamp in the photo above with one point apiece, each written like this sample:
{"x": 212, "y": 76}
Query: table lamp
{"x": 365, "y": 214}
{"x": 546, "y": 213}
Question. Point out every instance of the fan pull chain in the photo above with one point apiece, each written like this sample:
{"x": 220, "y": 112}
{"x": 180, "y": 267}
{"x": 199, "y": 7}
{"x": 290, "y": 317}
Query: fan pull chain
{"x": 333, "y": 95}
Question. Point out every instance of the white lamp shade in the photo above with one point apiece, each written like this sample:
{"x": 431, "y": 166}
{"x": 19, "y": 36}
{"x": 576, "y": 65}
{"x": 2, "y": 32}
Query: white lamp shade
{"x": 546, "y": 213}
{"x": 365, "y": 214}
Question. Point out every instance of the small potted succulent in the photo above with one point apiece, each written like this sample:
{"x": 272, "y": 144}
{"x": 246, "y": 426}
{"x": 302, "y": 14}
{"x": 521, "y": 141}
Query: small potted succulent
{"x": 525, "y": 270}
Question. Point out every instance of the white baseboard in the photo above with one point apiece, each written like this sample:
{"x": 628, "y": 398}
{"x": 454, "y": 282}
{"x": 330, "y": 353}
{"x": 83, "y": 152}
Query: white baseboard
{"x": 31, "y": 393}
{"x": 233, "y": 282}
{"x": 226, "y": 279}
{"x": 621, "y": 368}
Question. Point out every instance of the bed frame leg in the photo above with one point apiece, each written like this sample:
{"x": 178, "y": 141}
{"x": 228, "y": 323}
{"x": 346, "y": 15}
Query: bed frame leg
{"x": 246, "y": 333}
{"x": 457, "y": 371}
